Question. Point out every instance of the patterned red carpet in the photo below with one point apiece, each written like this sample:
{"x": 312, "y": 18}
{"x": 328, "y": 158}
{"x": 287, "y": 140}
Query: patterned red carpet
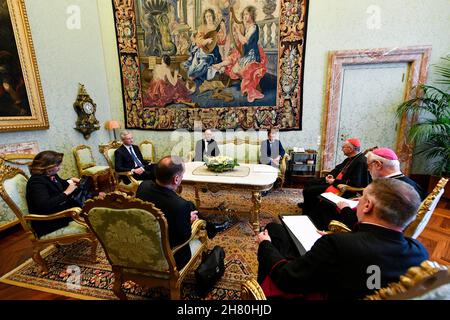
{"x": 96, "y": 280}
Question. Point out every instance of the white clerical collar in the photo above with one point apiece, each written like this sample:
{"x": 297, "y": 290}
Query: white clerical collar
{"x": 397, "y": 173}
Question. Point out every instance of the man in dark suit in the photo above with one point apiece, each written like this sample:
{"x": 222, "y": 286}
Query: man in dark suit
{"x": 352, "y": 171}
{"x": 271, "y": 150}
{"x": 382, "y": 163}
{"x": 348, "y": 265}
{"x": 179, "y": 212}
{"x": 207, "y": 147}
{"x": 128, "y": 157}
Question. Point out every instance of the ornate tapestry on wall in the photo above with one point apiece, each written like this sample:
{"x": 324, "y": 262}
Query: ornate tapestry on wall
{"x": 226, "y": 64}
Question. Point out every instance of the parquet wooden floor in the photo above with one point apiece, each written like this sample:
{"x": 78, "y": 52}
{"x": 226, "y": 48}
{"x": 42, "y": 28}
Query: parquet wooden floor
{"x": 15, "y": 248}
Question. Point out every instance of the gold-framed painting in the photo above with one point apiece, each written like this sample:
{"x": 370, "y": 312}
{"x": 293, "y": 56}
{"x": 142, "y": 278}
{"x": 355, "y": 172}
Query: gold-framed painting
{"x": 22, "y": 105}
{"x": 227, "y": 64}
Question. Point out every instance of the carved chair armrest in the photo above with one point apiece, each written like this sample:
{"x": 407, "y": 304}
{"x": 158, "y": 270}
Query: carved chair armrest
{"x": 73, "y": 213}
{"x": 337, "y": 227}
{"x": 128, "y": 174}
{"x": 196, "y": 226}
{"x": 251, "y": 290}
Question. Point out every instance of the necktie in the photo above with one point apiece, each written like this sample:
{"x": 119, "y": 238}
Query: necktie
{"x": 136, "y": 160}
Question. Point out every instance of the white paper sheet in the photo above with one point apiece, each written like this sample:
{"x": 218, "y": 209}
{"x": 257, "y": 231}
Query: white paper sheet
{"x": 303, "y": 229}
{"x": 335, "y": 199}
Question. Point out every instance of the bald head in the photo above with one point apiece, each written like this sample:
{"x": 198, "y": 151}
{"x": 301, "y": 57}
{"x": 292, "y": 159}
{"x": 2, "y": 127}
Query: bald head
{"x": 167, "y": 168}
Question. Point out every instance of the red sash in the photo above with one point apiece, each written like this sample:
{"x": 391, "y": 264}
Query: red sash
{"x": 270, "y": 289}
{"x": 332, "y": 188}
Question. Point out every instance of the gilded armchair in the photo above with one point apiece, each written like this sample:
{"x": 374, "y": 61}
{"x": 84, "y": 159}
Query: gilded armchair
{"x": 87, "y": 166}
{"x": 134, "y": 235}
{"x": 429, "y": 281}
{"x": 13, "y": 182}
{"x": 108, "y": 152}
{"x": 425, "y": 211}
{"x": 148, "y": 150}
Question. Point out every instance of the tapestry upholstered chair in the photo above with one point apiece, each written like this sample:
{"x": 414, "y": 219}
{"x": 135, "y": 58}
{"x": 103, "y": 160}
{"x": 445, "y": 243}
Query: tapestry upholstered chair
{"x": 108, "y": 152}
{"x": 429, "y": 281}
{"x": 134, "y": 235}
{"x": 148, "y": 150}
{"x": 87, "y": 166}
{"x": 13, "y": 182}
{"x": 8, "y": 218}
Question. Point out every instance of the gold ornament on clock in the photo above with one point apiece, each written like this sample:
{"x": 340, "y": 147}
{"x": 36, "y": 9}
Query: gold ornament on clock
{"x": 85, "y": 109}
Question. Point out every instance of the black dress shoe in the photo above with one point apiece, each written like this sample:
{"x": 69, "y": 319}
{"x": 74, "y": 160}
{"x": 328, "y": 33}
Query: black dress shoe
{"x": 223, "y": 226}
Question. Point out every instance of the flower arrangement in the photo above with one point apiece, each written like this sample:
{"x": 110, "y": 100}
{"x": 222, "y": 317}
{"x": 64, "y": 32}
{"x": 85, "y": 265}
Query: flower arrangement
{"x": 221, "y": 163}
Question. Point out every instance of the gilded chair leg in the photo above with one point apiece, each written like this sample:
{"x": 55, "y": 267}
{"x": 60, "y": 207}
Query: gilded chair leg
{"x": 94, "y": 244}
{"x": 39, "y": 260}
{"x": 174, "y": 293}
{"x": 117, "y": 288}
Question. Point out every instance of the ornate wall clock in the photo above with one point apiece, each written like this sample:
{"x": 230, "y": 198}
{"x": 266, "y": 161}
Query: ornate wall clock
{"x": 85, "y": 108}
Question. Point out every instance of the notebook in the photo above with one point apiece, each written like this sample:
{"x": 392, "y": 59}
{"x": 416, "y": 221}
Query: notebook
{"x": 331, "y": 197}
{"x": 302, "y": 231}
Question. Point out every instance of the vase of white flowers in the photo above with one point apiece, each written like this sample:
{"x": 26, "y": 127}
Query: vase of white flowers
{"x": 221, "y": 163}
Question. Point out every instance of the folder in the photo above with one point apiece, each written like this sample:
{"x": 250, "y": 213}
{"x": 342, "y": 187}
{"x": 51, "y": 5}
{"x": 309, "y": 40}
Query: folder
{"x": 302, "y": 231}
{"x": 334, "y": 199}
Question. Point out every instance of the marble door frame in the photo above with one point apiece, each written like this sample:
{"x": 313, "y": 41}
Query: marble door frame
{"x": 417, "y": 58}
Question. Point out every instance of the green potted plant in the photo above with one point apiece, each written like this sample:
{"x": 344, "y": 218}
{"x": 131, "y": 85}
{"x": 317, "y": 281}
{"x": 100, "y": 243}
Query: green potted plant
{"x": 431, "y": 133}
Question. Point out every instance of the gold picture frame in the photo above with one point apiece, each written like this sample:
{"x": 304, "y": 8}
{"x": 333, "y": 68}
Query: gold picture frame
{"x": 21, "y": 87}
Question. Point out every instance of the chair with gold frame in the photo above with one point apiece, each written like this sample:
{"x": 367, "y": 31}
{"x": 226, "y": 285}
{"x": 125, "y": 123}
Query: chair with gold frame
{"x": 108, "y": 152}
{"x": 13, "y": 182}
{"x": 87, "y": 166}
{"x": 426, "y": 209}
{"x": 429, "y": 281}
{"x": 134, "y": 235}
{"x": 251, "y": 290}
{"x": 148, "y": 151}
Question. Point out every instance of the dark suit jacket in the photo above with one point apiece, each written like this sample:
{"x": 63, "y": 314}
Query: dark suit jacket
{"x": 177, "y": 212}
{"x": 348, "y": 216}
{"x": 356, "y": 174}
{"x": 337, "y": 264}
{"x": 124, "y": 161}
{"x": 266, "y": 154}
{"x": 213, "y": 150}
{"x": 47, "y": 197}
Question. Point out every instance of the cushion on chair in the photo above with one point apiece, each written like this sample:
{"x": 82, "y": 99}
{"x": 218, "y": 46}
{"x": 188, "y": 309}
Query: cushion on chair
{"x": 86, "y": 159}
{"x": 16, "y": 188}
{"x": 253, "y": 153}
{"x": 94, "y": 170}
{"x": 112, "y": 157}
{"x": 6, "y": 214}
{"x": 133, "y": 239}
{"x": 228, "y": 150}
{"x": 147, "y": 151}
{"x": 72, "y": 228}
